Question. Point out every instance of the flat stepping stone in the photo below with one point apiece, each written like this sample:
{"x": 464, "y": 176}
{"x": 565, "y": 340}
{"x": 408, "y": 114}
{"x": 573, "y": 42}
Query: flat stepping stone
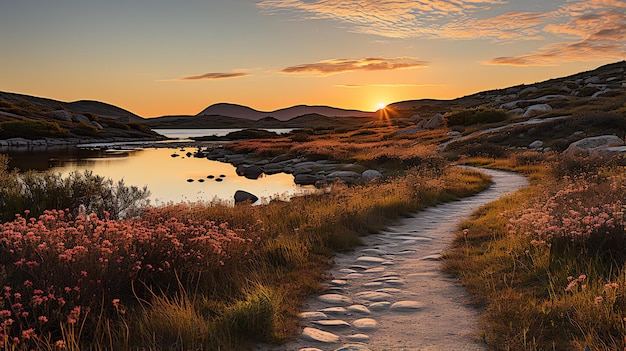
{"x": 395, "y": 282}
{"x": 374, "y": 251}
{"x": 347, "y": 270}
{"x": 388, "y": 263}
{"x": 406, "y": 306}
{"x": 354, "y": 275}
{"x": 313, "y": 334}
{"x": 374, "y": 296}
{"x": 359, "y": 267}
{"x": 386, "y": 279}
{"x": 365, "y": 324}
{"x": 339, "y": 282}
{"x": 336, "y": 299}
{"x": 334, "y": 310}
{"x": 359, "y": 309}
{"x": 313, "y": 315}
{"x": 371, "y": 259}
{"x": 434, "y": 257}
{"x": 332, "y": 323}
{"x": 353, "y": 347}
{"x": 406, "y": 252}
{"x": 391, "y": 274}
{"x": 380, "y": 305}
{"x": 389, "y": 290}
{"x": 375, "y": 270}
{"x": 372, "y": 284}
{"x": 358, "y": 337}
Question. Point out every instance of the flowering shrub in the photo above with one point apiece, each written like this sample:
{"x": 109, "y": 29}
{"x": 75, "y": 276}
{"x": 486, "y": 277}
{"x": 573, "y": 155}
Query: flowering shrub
{"x": 56, "y": 268}
{"x": 587, "y": 212}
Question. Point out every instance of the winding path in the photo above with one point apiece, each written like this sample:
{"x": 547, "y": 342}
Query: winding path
{"x": 391, "y": 295}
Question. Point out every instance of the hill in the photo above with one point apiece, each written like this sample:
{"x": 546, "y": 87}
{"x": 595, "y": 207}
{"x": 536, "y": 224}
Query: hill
{"x": 239, "y": 111}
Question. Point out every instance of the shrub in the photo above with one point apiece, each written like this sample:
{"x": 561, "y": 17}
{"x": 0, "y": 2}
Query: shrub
{"x": 140, "y": 127}
{"x": 30, "y": 129}
{"x": 83, "y": 129}
{"x": 475, "y": 116}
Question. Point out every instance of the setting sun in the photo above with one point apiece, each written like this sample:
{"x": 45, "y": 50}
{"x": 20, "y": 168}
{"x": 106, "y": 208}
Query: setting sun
{"x": 381, "y": 105}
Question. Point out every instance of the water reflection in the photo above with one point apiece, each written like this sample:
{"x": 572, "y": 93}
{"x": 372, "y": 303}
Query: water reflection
{"x": 169, "y": 179}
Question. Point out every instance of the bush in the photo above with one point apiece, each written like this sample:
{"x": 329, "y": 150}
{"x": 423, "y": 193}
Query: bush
{"x": 30, "y": 129}
{"x": 140, "y": 127}
{"x": 475, "y": 116}
{"x": 85, "y": 130}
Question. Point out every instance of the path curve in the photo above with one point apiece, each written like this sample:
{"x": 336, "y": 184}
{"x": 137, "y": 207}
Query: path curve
{"x": 390, "y": 294}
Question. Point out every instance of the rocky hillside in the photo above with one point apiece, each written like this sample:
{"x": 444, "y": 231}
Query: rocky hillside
{"x": 25, "y": 118}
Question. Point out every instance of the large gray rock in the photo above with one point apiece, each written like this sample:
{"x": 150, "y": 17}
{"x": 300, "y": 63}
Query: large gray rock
{"x": 587, "y": 146}
{"x": 306, "y": 179}
{"x": 250, "y": 172}
{"x": 244, "y": 196}
{"x": 537, "y": 144}
{"x": 61, "y": 115}
{"x": 371, "y": 174}
{"x": 538, "y": 109}
{"x": 435, "y": 122}
{"x": 82, "y": 119}
{"x": 608, "y": 152}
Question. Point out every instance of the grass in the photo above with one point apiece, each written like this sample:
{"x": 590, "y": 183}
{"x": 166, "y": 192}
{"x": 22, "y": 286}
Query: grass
{"x": 547, "y": 264}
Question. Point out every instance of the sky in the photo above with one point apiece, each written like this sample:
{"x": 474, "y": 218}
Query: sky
{"x": 164, "y": 57}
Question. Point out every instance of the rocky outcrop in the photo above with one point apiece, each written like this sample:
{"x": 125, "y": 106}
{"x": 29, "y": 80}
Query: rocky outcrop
{"x": 594, "y": 145}
{"x": 61, "y": 115}
{"x": 435, "y": 122}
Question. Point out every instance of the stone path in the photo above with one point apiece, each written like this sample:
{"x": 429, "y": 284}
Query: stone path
{"x": 390, "y": 294}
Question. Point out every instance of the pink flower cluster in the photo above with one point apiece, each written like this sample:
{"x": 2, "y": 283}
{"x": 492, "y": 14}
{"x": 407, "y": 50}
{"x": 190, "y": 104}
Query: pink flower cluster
{"x": 55, "y": 265}
{"x": 582, "y": 208}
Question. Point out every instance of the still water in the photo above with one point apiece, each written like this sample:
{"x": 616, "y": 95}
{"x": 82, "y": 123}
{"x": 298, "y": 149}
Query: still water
{"x": 165, "y": 176}
{"x": 192, "y": 133}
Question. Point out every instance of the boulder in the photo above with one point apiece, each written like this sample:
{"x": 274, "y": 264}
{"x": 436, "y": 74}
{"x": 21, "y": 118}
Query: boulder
{"x": 453, "y": 133}
{"x": 529, "y": 90}
{"x": 587, "y": 146}
{"x": 538, "y": 109}
{"x": 346, "y": 176}
{"x": 250, "y": 172}
{"x": 537, "y": 144}
{"x": 306, "y": 179}
{"x": 280, "y": 158}
{"x": 244, "y": 196}
{"x": 97, "y": 125}
{"x": 435, "y": 122}
{"x": 608, "y": 152}
{"x": 371, "y": 174}
{"x": 61, "y": 115}
{"x": 82, "y": 119}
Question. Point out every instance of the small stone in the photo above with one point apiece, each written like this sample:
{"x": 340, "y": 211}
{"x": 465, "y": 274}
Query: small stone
{"x": 375, "y": 270}
{"x": 372, "y": 284}
{"x": 374, "y": 296}
{"x": 313, "y": 315}
{"x": 395, "y": 282}
{"x": 370, "y": 259}
{"x": 359, "y": 309}
{"x": 358, "y": 337}
{"x": 354, "y": 275}
{"x": 406, "y": 306}
{"x": 353, "y": 347}
{"x": 380, "y": 305}
{"x": 312, "y": 334}
{"x": 336, "y": 299}
{"x": 334, "y": 310}
{"x": 435, "y": 257}
{"x": 390, "y": 290}
{"x": 365, "y": 324}
{"x": 332, "y": 323}
{"x": 347, "y": 270}
{"x": 339, "y": 282}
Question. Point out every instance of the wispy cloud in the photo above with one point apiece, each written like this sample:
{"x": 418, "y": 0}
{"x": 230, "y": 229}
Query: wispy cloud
{"x": 590, "y": 30}
{"x": 213, "y": 76}
{"x": 385, "y": 85}
{"x": 334, "y": 66}
{"x": 575, "y": 30}
{"x": 403, "y": 18}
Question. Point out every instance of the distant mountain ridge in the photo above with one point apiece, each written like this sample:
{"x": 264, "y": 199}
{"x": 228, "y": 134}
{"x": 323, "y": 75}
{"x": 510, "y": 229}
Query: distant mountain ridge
{"x": 284, "y": 114}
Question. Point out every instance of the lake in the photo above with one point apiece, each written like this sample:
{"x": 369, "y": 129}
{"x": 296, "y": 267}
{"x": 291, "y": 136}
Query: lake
{"x": 165, "y": 176}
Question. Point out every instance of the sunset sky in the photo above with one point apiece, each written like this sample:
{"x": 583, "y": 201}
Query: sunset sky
{"x": 162, "y": 57}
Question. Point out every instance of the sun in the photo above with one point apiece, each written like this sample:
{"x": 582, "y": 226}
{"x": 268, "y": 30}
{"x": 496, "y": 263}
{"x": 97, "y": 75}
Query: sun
{"x": 381, "y": 105}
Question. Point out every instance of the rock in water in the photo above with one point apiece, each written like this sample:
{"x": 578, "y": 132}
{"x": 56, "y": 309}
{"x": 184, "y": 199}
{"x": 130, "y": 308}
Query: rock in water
{"x": 244, "y": 196}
